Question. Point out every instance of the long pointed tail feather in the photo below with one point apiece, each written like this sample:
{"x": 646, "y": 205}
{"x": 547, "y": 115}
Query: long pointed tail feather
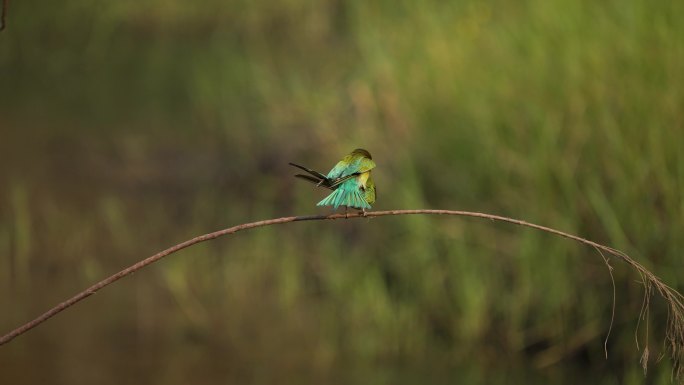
{"x": 316, "y": 181}
{"x": 310, "y": 171}
{"x": 320, "y": 179}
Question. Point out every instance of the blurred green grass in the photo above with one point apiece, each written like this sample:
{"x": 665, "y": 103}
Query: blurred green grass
{"x": 130, "y": 126}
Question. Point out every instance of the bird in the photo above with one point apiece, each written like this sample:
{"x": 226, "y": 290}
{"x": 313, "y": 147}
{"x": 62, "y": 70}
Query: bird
{"x": 350, "y": 181}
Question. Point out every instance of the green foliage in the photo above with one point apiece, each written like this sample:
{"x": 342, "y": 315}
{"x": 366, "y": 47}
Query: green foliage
{"x": 128, "y": 126}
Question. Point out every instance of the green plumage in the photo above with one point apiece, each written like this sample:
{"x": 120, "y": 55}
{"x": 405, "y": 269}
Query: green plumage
{"x": 357, "y": 162}
{"x": 347, "y": 194}
{"x": 370, "y": 192}
{"x": 350, "y": 180}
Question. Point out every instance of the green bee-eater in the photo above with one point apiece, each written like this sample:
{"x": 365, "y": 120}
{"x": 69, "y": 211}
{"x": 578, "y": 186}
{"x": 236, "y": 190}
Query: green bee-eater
{"x": 350, "y": 181}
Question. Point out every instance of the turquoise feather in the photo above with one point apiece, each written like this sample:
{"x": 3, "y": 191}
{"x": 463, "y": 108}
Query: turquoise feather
{"x": 347, "y": 194}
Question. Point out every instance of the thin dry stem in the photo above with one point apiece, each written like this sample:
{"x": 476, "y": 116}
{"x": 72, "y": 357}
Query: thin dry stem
{"x": 612, "y": 315}
{"x": 674, "y": 338}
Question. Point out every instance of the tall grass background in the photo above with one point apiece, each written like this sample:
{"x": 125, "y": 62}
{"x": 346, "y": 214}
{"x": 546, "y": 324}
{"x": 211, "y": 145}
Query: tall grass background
{"x": 128, "y": 126}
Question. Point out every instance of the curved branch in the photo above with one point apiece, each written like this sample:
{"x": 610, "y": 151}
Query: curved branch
{"x": 675, "y": 325}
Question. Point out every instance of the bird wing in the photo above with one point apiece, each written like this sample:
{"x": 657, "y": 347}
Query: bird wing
{"x": 351, "y": 164}
{"x": 336, "y": 182}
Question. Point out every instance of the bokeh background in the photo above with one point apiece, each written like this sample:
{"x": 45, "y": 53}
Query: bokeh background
{"x": 129, "y": 126}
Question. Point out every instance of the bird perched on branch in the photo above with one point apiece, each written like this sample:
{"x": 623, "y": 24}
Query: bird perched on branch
{"x": 350, "y": 181}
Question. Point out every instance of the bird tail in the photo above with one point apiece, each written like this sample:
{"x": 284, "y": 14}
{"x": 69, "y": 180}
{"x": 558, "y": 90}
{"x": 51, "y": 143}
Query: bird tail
{"x": 316, "y": 181}
{"x": 319, "y": 179}
{"x": 310, "y": 171}
{"x": 347, "y": 194}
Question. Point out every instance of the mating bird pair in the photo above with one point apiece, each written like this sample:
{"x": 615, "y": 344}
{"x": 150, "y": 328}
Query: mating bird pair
{"x": 350, "y": 181}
